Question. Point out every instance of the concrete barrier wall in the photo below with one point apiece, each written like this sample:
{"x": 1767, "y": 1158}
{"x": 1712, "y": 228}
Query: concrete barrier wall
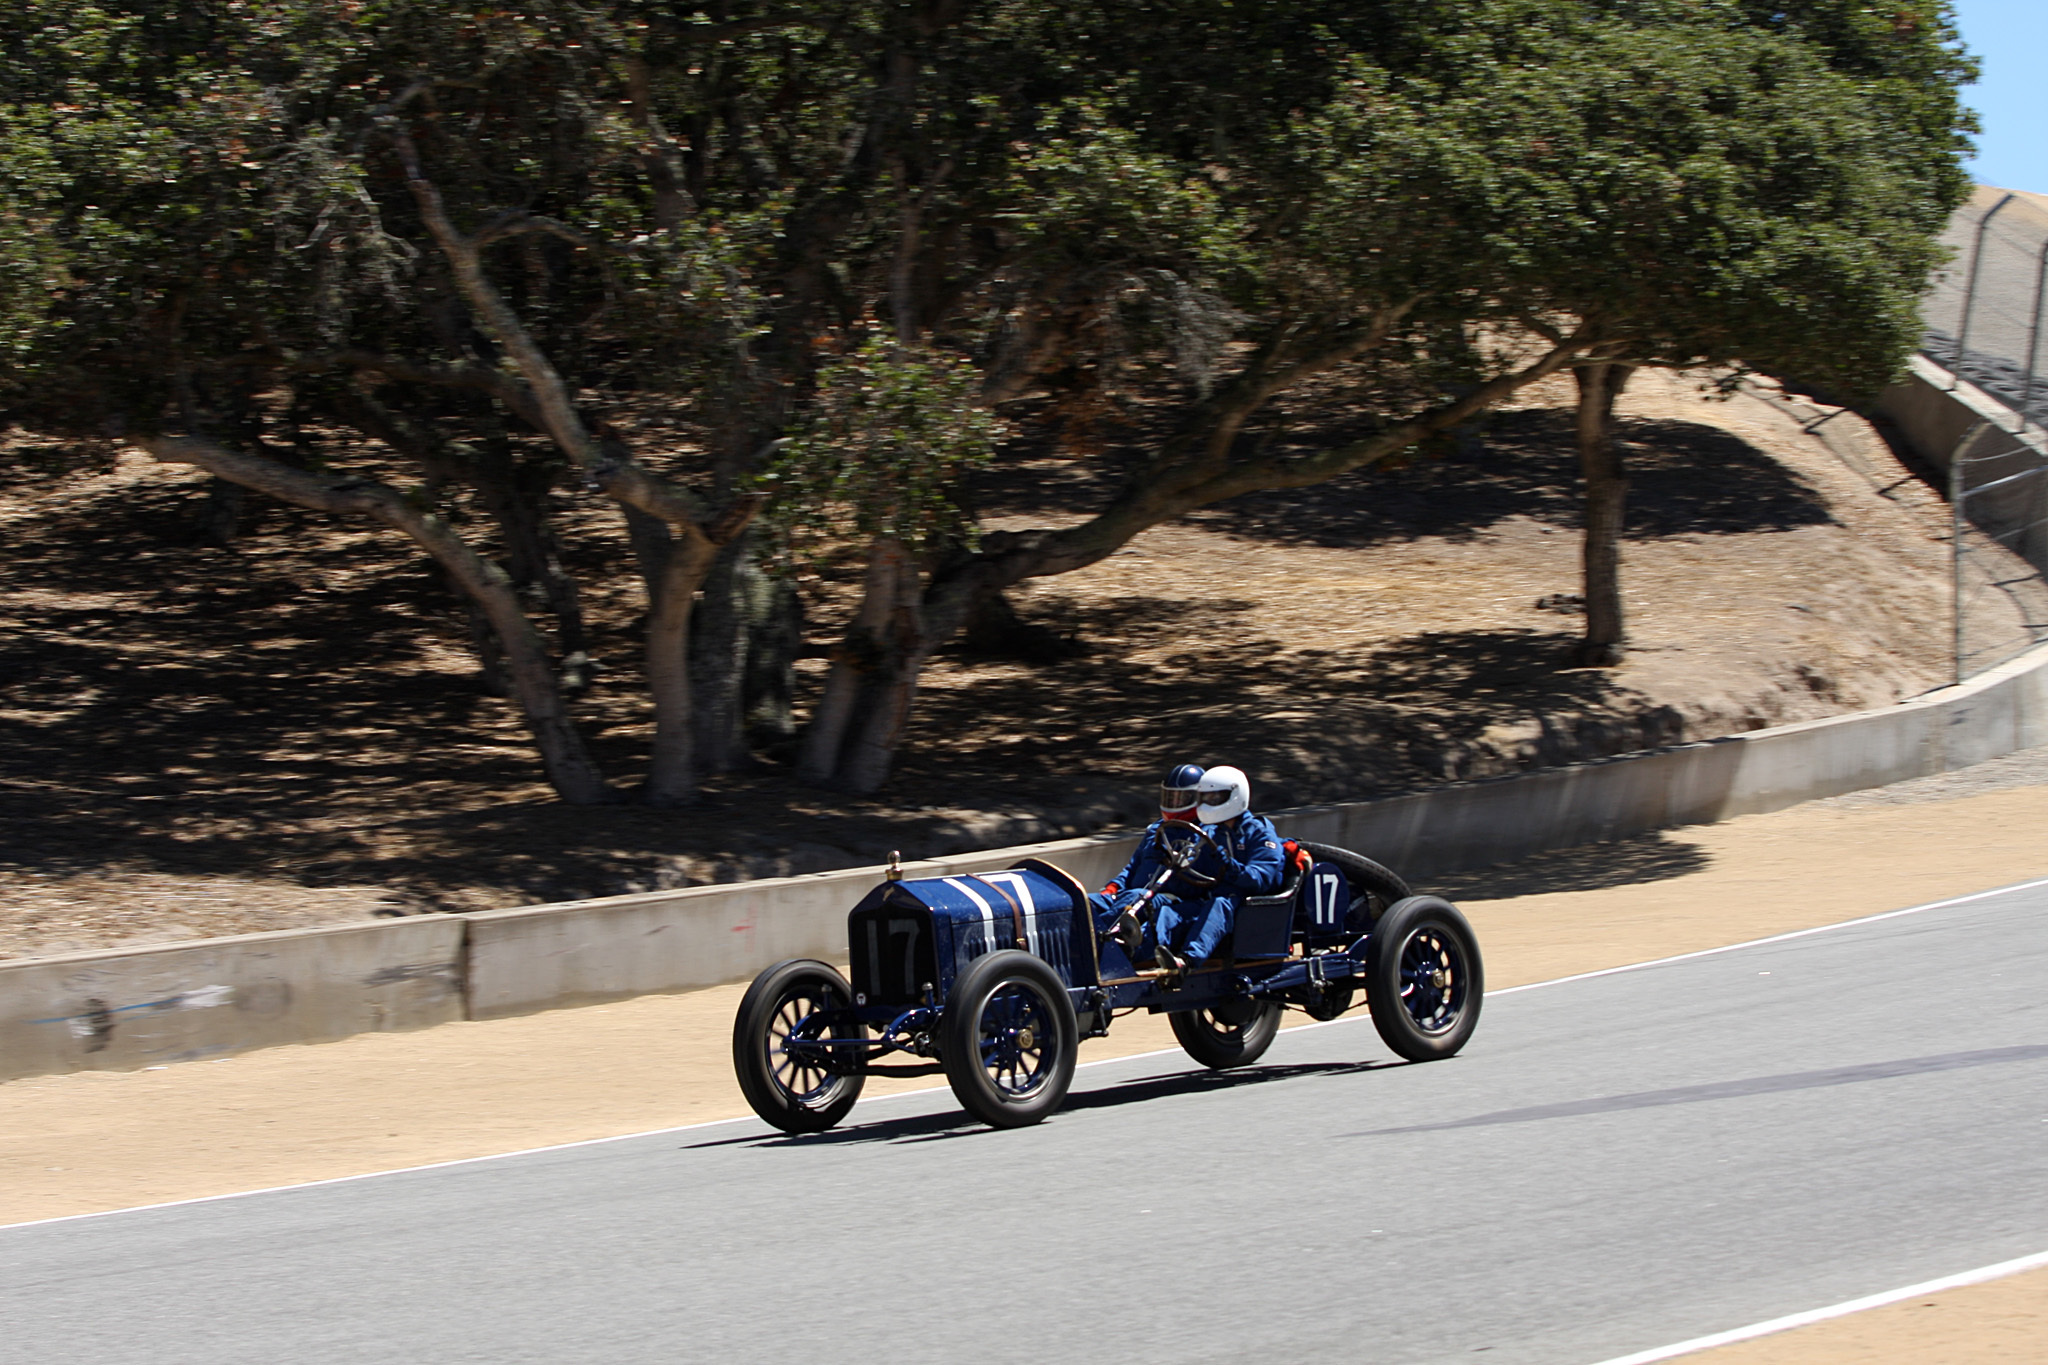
{"x": 544, "y": 956}
{"x": 129, "y": 1008}
{"x": 1455, "y": 829}
{"x": 1934, "y": 410}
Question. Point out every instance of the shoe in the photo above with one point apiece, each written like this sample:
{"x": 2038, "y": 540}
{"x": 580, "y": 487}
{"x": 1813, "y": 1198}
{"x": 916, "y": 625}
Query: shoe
{"x": 1169, "y": 960}
{"x": 1128, "y": 933}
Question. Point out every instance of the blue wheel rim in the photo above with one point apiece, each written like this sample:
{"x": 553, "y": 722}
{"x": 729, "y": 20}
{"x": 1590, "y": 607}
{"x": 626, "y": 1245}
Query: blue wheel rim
{"x": 1434, "y": 979}
{"x": 807, "y": 1083}
{"x": 1018, "y": 1038}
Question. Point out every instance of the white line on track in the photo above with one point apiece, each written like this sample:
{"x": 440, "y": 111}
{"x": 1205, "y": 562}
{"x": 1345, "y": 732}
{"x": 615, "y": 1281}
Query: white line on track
{"x": 1778, "y": 938}
{"x": 1840, "y": 1310}
{"x": 1104, "y": 1061}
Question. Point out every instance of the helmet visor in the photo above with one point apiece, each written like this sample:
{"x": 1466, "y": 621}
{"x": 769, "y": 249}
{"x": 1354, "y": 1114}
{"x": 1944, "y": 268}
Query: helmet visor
{"x": 1178, "y": 798}
{"x": 1216, "y": 798}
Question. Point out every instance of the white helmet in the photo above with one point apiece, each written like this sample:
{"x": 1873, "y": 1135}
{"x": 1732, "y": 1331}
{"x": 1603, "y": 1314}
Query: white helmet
{"x": 1226, "y": 793}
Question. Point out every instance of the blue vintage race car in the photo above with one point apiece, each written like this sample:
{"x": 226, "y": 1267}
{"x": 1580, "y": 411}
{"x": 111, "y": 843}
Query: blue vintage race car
{"x": 995, "y": 978}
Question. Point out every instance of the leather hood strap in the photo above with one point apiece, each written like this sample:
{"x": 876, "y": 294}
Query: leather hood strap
{"x": 1016, "y": 910}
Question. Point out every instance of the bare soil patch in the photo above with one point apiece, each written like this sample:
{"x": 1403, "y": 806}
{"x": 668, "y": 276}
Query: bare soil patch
{"x": 198, "y": 740}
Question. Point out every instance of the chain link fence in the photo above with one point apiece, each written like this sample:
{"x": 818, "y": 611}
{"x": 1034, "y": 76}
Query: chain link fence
{"x": 1984, "y": 322}
{"x": 1998, "y": 504}
{"x": 1984, "y": 313}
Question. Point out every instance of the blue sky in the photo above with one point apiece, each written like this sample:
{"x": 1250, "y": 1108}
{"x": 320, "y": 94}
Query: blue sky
{"x": 2010, "y": 38}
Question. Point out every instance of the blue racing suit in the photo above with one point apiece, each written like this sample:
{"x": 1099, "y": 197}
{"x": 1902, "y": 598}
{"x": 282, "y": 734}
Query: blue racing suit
{"x": 1246, "y": 861}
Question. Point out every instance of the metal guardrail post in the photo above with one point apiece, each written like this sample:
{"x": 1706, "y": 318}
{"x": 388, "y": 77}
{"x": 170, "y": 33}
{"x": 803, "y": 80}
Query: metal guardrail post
{"x": 1970, "y": 286}
{"x": 2034, "y": 333}
{"x": 1955, "y": 557}
{"x": 1955, "y": 542}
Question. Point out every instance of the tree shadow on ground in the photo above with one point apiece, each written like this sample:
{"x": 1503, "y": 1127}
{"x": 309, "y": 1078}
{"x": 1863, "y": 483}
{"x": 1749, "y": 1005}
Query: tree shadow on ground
{"x": 172, "y": 704}
{"x": 1325, "y": 725}
{"x": 302, "y": 706}
{"x": 1685, "y": 478}
{"x": 1652, "y": 857}
{"x": 151, "y": 726}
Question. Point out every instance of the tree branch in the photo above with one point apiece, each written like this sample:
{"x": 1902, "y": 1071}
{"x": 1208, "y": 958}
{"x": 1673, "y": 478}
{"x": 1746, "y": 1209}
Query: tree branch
{"x": 616, "y": 475}
{"x": 568, "y": 765}
{"x": 342, "y": 494}
{"x": 1263, "y": 474}
{"x": 1008, "y": 558}
{"x": 515, "y": 396}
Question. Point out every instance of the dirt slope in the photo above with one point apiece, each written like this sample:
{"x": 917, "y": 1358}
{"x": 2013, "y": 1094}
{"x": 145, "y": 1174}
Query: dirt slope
{"x": 197, "y": 740}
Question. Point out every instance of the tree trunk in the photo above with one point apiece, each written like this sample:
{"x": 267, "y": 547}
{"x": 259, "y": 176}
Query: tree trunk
{"x": 852, "y": 662}
{"x": 570, "y": 769}
{"x": 891, "y": 687}
{"x": 683, "y": 563}
{"x": 517, "y": 501}
{"x": 850, "y": 741}
{"x": 1600, "y": 465}
{"x": 775, "y": 639}
{"x": 744, "y": 640}
{"x": 221, "y": 522}
{"x": 718, "y": 657}
{"x": 490, "y": 659}
{"x": 563, "y": 756}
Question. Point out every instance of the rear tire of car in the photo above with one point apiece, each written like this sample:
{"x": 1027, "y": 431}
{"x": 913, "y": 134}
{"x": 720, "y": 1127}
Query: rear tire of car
{"x": 1208, "y": 1036}
{"x": 783, "y": 1090}
{"x": 1373, "y": 888}
{"x": 1008, "y": 1039}
{"x": 1423, "y": 978}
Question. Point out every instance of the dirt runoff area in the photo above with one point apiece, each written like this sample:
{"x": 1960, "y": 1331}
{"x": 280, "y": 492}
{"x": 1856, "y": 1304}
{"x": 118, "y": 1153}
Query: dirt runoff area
{"x": 98, "y": 1141}
{"x": 200, "y": 739}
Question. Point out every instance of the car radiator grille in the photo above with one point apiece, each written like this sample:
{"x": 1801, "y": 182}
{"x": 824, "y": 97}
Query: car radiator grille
{"x": 891, "y": 948}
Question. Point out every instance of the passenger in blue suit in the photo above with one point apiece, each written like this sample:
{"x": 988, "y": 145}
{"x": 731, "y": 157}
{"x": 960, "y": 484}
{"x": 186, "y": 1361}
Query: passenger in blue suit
{"x": 1188, "y": 921}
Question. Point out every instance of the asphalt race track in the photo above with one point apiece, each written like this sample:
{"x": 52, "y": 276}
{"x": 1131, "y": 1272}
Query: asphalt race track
{"x": 1617, "y": 1162}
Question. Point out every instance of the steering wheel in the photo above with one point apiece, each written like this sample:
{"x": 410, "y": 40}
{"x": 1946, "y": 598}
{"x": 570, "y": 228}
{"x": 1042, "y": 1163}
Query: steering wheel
{"x": 1181, "y": 842}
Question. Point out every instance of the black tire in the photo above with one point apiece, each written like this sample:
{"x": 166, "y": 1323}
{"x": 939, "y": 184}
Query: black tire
{"x": 1236, "y": 1033}
{"x": 1008, "y": 1039}
{"x": 1423, "y": 978}
{"x": 1373, "y": 888}
{"x": 793, "y": 1097}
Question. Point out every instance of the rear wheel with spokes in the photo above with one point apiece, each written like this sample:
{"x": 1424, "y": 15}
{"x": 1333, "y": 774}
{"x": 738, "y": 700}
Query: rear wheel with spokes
{"x": 1009, "y": 1038}
{"x": 794, "y": 1088}
{"x": 1424, "y": 979}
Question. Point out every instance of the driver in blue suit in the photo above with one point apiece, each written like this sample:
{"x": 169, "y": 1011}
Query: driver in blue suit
{"x": 1244, "y": 857}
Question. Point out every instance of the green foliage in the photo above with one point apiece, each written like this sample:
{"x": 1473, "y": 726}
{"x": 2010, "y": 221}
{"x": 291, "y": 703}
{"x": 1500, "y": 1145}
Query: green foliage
{"x": 1200, "y": 204}
{"x": 879, "y": 451}
{"x": 31, "y": 263}
{"x": 202, "y": 195}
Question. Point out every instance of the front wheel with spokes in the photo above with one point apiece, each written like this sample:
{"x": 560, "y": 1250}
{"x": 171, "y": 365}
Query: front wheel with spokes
{"x": 793, "y": 1088}
{"x": 1009, "y": 1038}
{"x": 1423, "y": 978}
